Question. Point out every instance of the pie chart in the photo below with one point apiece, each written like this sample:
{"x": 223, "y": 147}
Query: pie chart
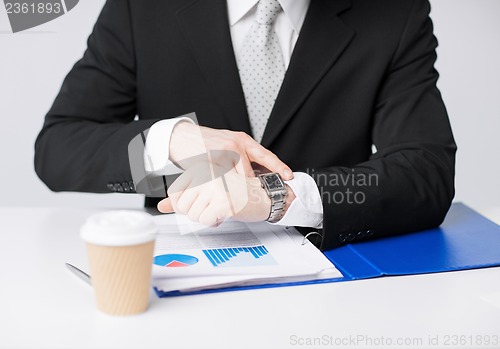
{"x": 175, "y": 260}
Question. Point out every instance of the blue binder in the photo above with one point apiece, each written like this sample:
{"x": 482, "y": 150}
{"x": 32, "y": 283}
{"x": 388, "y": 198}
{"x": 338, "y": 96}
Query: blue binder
{"x": 465, "y": 240}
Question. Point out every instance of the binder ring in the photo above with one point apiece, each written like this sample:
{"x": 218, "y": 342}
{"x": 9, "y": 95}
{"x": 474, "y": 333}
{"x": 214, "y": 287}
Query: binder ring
{"x": 309, "y": 234}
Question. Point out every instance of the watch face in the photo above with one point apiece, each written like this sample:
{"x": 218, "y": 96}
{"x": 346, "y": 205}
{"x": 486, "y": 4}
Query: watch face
{"x": 273, "y": 182}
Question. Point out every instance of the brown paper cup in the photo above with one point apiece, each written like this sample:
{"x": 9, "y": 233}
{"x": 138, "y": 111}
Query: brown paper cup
{"x": 120, "y": 247}
{"x": 121, "y": 277}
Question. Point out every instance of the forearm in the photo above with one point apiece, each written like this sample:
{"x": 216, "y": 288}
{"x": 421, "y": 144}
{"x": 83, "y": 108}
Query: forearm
{"x": 392, "y": 193}
{"x": 77, "y": 155}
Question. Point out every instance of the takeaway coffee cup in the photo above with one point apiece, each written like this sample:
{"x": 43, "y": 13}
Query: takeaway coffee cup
{"x": 120, "y": 248}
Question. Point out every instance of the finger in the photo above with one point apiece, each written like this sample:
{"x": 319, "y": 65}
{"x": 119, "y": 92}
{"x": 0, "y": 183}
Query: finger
{"x": 197, "y": 208}
{"x": 212, "y": 215}
{"x": 165, "y": 206}
{"x": 186, "y": 200}
{"x": 176, "y": 190}
{"x": 257, "y": 153}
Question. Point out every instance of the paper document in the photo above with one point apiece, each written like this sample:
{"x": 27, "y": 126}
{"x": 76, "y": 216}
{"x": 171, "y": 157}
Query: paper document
{"x": 233, "y": 254}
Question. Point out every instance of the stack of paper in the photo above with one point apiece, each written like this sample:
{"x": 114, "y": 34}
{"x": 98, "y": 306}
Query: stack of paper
{"x": 233, "y": 254}
{"x": 238, "y": 255}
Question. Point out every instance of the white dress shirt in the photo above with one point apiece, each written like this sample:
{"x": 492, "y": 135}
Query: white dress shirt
{"x": 306, "y": 210}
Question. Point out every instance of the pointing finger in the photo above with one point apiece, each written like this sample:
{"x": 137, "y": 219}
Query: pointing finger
{"x": 165, "y": 206}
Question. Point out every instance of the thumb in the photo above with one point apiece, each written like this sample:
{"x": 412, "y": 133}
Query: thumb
{"x": 269, "y": 160}
{"x": 165, "y": 206}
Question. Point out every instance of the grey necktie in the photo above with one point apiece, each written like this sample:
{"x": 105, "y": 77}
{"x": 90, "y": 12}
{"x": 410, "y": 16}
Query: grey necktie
{"x": 261, "y": 66}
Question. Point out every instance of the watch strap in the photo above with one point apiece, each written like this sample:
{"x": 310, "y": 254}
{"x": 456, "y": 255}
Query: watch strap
{"x": 278, "y": 202}
{"x": 277, "y": 197}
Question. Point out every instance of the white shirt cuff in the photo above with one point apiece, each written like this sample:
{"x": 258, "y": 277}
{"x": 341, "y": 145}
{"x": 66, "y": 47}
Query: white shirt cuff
{"x": 156, "y": 149}
{"x": 307, "y": 208}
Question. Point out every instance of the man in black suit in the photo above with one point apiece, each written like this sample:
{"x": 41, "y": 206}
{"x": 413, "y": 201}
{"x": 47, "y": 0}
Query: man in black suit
{"x": 358, "y": 110}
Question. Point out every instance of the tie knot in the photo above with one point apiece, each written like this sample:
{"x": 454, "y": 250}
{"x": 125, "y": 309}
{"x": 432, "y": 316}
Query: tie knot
{"x": 267, "y": 11}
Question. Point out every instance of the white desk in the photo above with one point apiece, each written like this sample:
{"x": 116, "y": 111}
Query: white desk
{"x": 43, "y": 305}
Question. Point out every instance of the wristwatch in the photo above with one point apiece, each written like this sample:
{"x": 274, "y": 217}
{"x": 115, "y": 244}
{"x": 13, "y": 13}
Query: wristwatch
{"x": 276, "y": 191}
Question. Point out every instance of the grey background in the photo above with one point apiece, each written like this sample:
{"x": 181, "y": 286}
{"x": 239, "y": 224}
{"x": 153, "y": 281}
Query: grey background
{"x": 33, "y": 64}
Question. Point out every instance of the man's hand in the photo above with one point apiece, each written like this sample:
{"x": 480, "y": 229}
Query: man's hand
{"x": 210, "y": 199}
{"x": 188, "y": 141}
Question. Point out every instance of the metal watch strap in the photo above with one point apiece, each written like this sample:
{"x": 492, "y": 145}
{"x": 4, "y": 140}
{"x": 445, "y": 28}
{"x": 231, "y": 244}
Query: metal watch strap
{"x": 277, "y": 197}
{"x": 277, "y": 212}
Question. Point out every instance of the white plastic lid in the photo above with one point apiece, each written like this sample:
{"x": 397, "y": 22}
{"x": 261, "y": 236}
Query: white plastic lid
{"x": 119, "y": 228}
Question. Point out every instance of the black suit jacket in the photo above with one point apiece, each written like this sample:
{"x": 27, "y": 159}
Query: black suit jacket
{"x": 361, "y": 74}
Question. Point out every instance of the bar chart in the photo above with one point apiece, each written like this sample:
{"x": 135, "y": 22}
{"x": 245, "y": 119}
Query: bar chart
{"x": 250, "y": 256}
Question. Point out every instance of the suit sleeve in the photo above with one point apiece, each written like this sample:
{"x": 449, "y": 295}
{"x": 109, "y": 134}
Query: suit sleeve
{"x": 408, "y": 184}
{"x": 83, "y": 145}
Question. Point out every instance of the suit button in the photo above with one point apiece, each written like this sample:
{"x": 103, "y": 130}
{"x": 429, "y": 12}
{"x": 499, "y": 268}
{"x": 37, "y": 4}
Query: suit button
{"x": 126, "y": 187}
{"x": 131, "y": 187}
{"x": 342, "y": 238}
{"x": 361, "y": 234}
{"x": 370, "y": 232}
{"x": 351, "y": 237}
{"x": 111, "y": 186}
{"x": 118, "y": 188}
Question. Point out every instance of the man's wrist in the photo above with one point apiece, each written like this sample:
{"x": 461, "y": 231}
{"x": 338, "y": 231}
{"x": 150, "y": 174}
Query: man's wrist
{"x": 304, "y": 207}
{"x": 157, "y": 147}
{"x": 290, "y": 196}
{"x": 259, "y": 199}
{"x": 175, "y": 140}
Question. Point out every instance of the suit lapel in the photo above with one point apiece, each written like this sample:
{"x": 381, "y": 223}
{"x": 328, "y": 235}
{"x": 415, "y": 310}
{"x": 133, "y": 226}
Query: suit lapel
{"x": 206, "y": 27}
{"x": 322, "y": 40}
